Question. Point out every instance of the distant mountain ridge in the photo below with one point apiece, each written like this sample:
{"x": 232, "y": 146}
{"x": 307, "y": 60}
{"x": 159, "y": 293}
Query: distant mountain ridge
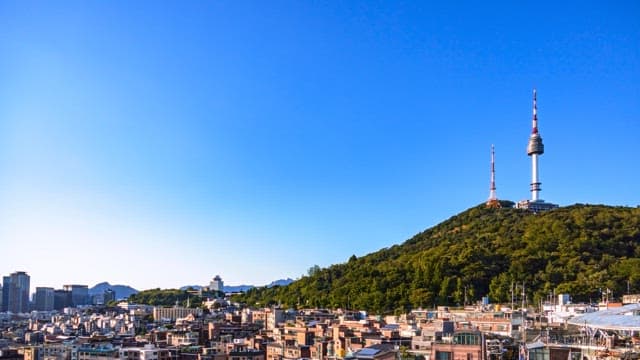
{"x": 281, "y": 282}
{"x": 243, "y": 288}
{"x": 237, "y": 288}
{"x": 122, "y": 291}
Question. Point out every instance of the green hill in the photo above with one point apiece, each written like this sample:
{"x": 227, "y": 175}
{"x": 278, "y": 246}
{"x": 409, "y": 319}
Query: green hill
{"x": 170, "y": 297}
{"x": 578, "y": 250}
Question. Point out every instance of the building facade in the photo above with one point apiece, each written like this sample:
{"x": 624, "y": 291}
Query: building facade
{"x": 464, "y": 345}
{"x": 216, "y": 284}
{"x": 161, "y": 313}
{"x": 79, "y": 294}
{"x": 15, "y": 294}
{"x": 61, "y": 299}
{"x": 148, "y": 352}
{"x": 44, "y": 299}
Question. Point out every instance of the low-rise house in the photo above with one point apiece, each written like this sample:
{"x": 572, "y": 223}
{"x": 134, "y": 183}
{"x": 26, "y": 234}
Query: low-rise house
{"x": 148, "y": 352}
{"x": 182, "y": 338}
{"x": 246, "y": 354}
{"x": 98, "y": 352}
{"x": 375, "y": 352}
{"x": 462, "y": 345}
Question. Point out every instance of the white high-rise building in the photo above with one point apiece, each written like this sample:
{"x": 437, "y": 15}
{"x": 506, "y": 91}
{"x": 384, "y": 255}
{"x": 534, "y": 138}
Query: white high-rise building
{"x": 216, "y": 284}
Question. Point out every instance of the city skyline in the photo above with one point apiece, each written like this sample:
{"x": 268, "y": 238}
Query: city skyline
{"x": 157, "y": 145}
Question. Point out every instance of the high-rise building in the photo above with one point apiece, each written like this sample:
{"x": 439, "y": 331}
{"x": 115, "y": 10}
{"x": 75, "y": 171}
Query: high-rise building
{"x": 15, "y": 294}
{"x": 535, "y": 148}
{"x": 216, "y": 284}
{"x": 103, "y": 298}
{"x": 45, "y": 297}
{"x": 6, "y": 282}
{"x": 61, "y": 299}
{"x": 79, "y": 294}
{"x": 109, "y": 295}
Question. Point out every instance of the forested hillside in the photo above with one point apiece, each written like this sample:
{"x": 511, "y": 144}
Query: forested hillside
{"x": 169, "y": 297}
{"x": 578, "y": 250}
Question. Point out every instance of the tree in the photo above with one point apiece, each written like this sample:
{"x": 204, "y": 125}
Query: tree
{"x": 315, "y": 269}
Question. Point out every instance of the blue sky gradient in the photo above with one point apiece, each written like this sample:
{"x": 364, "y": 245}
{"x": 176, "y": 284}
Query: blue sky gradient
{"x": 160, "y": 143}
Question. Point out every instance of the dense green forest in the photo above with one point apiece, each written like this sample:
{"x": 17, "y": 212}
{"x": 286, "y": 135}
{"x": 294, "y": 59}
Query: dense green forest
{"x": 578, "y": 249}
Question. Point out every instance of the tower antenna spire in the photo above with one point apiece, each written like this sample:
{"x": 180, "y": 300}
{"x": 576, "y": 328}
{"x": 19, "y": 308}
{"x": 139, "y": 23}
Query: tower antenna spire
{"x": 534, "y": 119}
{"x": 493, "y": 202}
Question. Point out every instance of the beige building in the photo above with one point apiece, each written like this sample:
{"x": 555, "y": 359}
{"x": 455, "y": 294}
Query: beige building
{"x": 52, "y": 351}
{"x": 148, "y": 352}
{"x": 489, "y": 323}
{"x": 274, "y": 317}
{"x": 274, "y": 351}
{"x": 182, "y": 338}
{"x": 161, "y": 313}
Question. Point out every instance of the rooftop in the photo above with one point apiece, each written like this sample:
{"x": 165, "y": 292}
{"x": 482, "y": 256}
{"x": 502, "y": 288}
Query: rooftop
{"x": 626, "y": 317}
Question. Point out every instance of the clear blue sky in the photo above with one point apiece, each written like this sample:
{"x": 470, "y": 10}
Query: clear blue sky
{"x": 159, "y": 143}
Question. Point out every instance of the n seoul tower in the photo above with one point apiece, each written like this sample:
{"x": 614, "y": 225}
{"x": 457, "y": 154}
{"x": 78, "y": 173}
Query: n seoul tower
{"x": 534, "y": 149}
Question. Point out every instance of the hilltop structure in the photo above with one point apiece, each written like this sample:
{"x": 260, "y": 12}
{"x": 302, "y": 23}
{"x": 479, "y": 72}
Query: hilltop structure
{"x": 493, "y": 202}
{"x": 534, "y": 149}
{"x": 216, "y": 284}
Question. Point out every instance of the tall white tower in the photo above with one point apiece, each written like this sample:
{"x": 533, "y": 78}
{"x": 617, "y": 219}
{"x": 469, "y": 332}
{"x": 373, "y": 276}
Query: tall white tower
{"x": 535, "y": 148}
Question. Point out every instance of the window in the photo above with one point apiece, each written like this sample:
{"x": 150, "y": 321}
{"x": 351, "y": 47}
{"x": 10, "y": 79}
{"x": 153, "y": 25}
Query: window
{"x": 443, "y": 355}
{"x": 466, "y": 339}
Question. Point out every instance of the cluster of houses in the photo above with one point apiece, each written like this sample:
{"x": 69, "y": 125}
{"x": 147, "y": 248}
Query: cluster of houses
{"x": 230, "y": 332}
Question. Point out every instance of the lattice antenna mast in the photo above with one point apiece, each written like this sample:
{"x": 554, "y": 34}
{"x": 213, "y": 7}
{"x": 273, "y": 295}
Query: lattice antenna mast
{"x": 492, "y": 189}
{"x": 493, "y": 199}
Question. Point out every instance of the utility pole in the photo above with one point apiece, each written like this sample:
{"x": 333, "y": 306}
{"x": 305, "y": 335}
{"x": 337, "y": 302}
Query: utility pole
{"x": 524, "y": 318}
{"x": 465, "y": 296}
{"x": 512, "y": 297}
